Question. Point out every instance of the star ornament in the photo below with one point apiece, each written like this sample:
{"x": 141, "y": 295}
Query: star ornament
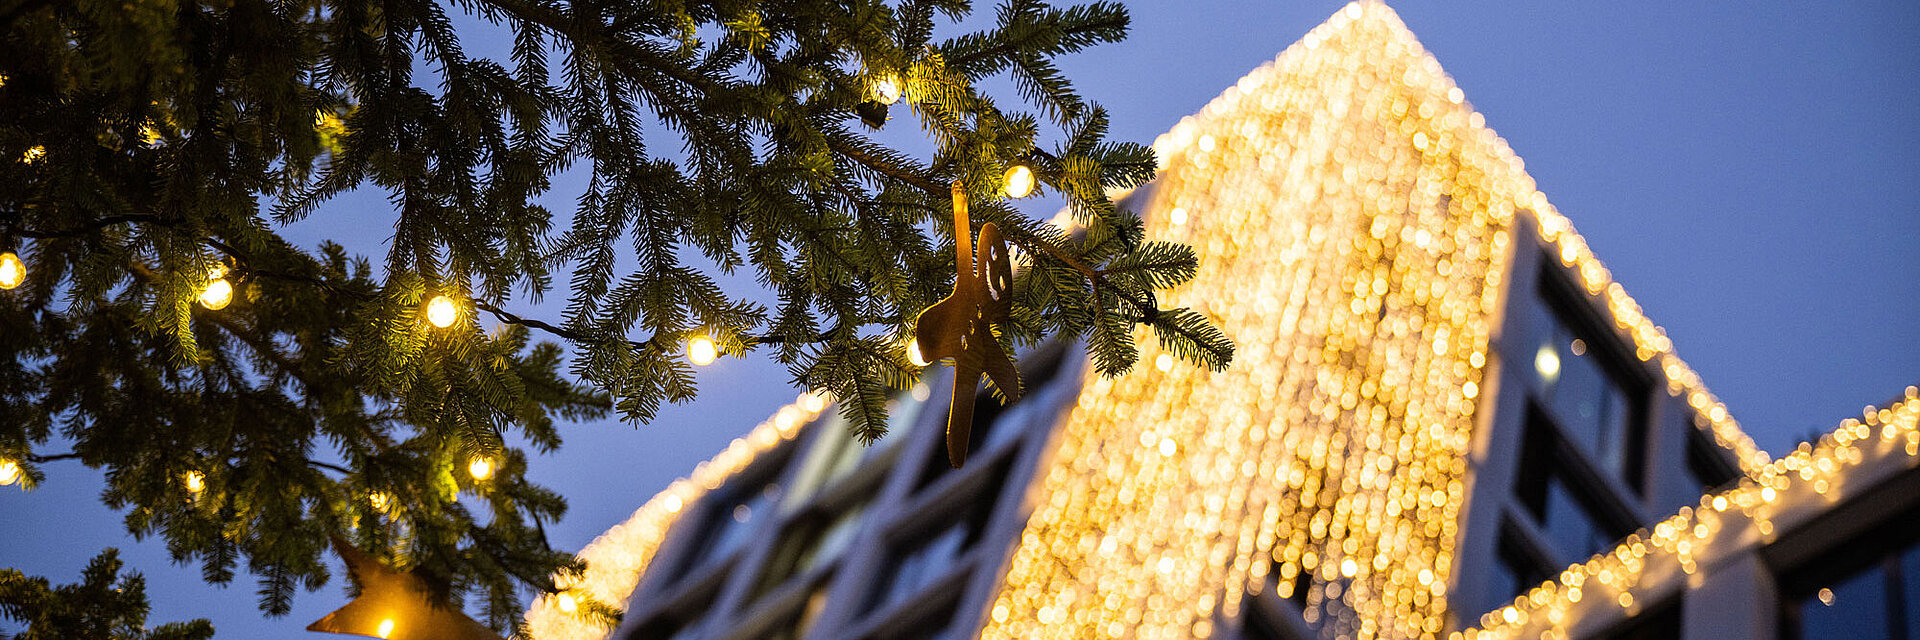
{"x": 395, "y": 605}
{"x": 960, "y": 327}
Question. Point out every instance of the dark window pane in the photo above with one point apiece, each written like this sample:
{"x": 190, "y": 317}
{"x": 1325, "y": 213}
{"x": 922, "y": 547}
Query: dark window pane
{"x": 1573, "y": 532}
{"x": 729, "y": 522}
{"x": 813, "y": 541}
{"x": 1855, "y": 607}
{"x": 1910, "y": 590}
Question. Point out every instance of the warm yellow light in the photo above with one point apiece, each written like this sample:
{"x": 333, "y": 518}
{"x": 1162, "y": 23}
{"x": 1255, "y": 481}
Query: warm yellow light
{"x": 9, "y": 472}
{"x": 886, "y": 89}
{"x": 12, "y": 270}
{"x": 386, "y": 628}
{"x": 442, "y": 312}
{"x": 566, "y": 602}
{"x": 701, "y": 351}
{"x": 1826, "y": 596}
{"x": 1019, "y": 181}
{"x": 1178, "y": 216}
{"x": 381, "y": 501}
{"x": 1547, "y": 362}
{"x": 480, "y": 468}
{"x": 217, "y": 295}
{"x": 814, "y": 402}
{"x": 34, "y": 154}
{"x": 1164, "y": 363}
{"x": 914, "y": 355}
{"x": 194, "y": 481}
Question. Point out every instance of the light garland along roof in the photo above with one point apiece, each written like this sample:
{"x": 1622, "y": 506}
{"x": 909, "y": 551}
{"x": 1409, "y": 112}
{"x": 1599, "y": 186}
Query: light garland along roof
{"x": 616, "y": 559}
{"x": 1353, "y": 220}
{"x": 1850, "y": 460}
{"x": 1352, "y": 215}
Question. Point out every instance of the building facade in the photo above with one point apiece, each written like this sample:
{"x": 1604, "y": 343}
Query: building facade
{"x": 1444, "y": 418}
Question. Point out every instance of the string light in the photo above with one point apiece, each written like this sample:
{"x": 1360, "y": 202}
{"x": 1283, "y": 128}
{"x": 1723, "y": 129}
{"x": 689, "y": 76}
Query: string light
{"x": 1792, "y": 490}
{"x": 386, "y": 628}
{"x": 701, "y": 351}
{"x": 886, "y": 89}
{"x": 33, "y": 154}
{"x": 9, "y": 472}
{"x": 217, "y": 295}
{"x": 1547, "y": 362}
{"x": 12, "y": 271}
{"x": 442, "y": 312}
{"x": 914, "y": 355}
{"x": 194, "y": 481}
{"x": 1020, "y": 181}
{"x": 480, "y": 468}
{"x": 381, "y": 501}
{"x": 567, "y": 602}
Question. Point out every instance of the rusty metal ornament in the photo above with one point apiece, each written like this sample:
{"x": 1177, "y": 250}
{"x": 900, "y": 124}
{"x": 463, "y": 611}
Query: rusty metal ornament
{"x": 961, "y": 326}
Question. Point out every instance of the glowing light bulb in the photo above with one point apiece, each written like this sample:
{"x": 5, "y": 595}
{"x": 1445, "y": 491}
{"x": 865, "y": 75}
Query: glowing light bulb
{"x": 217, "y": 295}
{"x": 442, "y": 312}
{"x": 566, "y": 602}
{"x": 914, "y": 355}
{"x": 9, "y": 472}
{"x": 1826, "y": 596}
{"x": 814, "y": 402}
{"x": 480, "y": 468}
{"x": 1164, "y": 363}
{"x": 1178, "y": 216}
{"x": 701, "y": 350}
{"x": 1547, "y": 362}
{"x": 12, "y": 270}
{"x": 1019, "y": 181}
{"x": 386, "y": 628}
{"x": 34, "y": 154}
{"x": 381, "y": 501}
{"x": 886, "y": 89}
{"x": 194, "y": 481}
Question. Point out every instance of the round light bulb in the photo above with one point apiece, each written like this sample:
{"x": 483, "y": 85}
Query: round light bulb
{"x": 386, "y": 628}
{"x": 194, "y": 481}
{"x": 12, "y": 270}
{"x": 1164, "y": 363}
{"x": 442, "y": 312}
{"x": 1019, "y": 181}
{"x": 886, "y": 89}
{"x": 914, "y": 355}
{"x": 217, "y": 295}
{"x": 9, "y": 472}
{"x": 380, "y": 500}
{"x": 1547, "y": 362}
{"x": 480, "y": 468}
{"x": 566, "y": 602}
{"x": 702, "y": 351}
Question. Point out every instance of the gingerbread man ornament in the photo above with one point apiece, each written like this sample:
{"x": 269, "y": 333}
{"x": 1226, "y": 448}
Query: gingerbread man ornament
{"x": 961, "y": 326}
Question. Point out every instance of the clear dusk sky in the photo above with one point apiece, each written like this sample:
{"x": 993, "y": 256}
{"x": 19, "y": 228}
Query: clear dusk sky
{"x": 1750, "y": 173}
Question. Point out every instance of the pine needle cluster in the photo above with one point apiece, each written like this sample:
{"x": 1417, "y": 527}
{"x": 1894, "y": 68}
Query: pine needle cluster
{"x": 149, "y": 147}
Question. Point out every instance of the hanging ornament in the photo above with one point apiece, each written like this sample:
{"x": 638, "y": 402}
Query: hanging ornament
{"x": 961, "y": 326}
{"x": 702, "y": 351}
{"x": 395, "y": 605}
{"x": 883, "y": 91}
{"x": 218, "y": 292}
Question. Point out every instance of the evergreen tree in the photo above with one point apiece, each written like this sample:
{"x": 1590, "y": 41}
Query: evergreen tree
{"x": 155, "y": 150}
{"x": 103, "y": 606}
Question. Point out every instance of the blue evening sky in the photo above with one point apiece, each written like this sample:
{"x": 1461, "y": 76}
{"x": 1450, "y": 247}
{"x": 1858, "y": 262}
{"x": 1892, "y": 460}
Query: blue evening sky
{"x": 1751, "y": 175}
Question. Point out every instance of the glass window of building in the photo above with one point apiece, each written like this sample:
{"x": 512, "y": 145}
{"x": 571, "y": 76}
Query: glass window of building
{"x": 728, "y": 521}
{"x": 1868, "y": 589}
{"x": 837, "y": 451}
{"x": 1566, "y": 505}
{"x": 801, "y": 623}
{"x": 812, "y": 541}
{"x": 920, "y": 560}
{"x": 1581, "y": 380}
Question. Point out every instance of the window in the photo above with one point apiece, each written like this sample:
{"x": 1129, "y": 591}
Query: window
{"x": 1585, "y": 385}
{"x": 812, "y": 541}
{"x": 1878, "y": 600}
{"x": 837, "y": 452}
{"x": 986, "y": 414}
{"x": 1519, "y": 567}
{"x": 800, "y": 623}
{"x": 729, "y": 520}
{"x": 910, "y": 567}
{"x": 994, "y": 423}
